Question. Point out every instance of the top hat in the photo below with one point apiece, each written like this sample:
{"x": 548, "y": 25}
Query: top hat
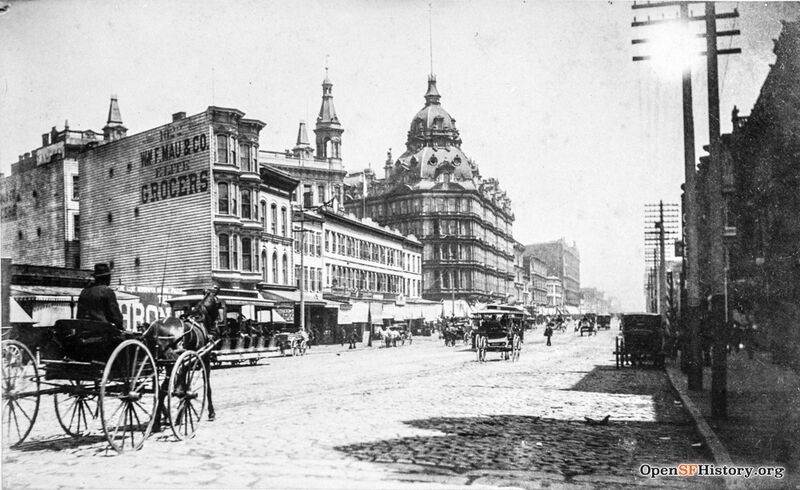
{"x": 101, "y": 270}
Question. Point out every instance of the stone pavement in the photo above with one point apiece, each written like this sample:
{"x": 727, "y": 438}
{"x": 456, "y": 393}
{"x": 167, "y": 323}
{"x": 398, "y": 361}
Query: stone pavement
{"x": 418, "y": 416}
{"x": 763, "y": 424}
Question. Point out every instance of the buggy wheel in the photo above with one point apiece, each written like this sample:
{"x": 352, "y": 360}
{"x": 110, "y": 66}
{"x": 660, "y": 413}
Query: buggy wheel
{"x": 76, "y": 410}
{"x": 517, "y": 346}
{"x": 128, "y": 396}
{"x": 20, "y": 378}
{"x": 186, "y": 399}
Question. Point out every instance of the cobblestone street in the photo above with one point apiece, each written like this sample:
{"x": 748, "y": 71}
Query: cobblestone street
{"x": 419, "y": 416}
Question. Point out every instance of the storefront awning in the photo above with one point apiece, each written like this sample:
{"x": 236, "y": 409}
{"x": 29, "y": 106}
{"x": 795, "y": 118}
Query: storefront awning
{"x": 229, "y": 300}
{"x": 56, "y": 294}
{"x": 17, "y": 314}
{"x": 309, "y": 299}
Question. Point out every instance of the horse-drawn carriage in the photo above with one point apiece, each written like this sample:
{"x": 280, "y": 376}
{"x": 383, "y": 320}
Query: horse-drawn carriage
{"x": 641, "y": 340}
{"x": 499, "y": 330}
{"x": 102, "y": 376}
{"x": 242, "y": 339}
{"x": 455, "y": 331}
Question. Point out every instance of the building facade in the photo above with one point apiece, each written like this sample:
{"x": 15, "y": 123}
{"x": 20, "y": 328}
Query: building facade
{"x": 562, "y": 261}
{"x": 436, "y": 193}
{"x": 182, "y": 205}
{"x": 555, "y": 292}
{"x": 537, "y": 271}
{"x": 40, "y": 199}
{"x": 761, "y": 205}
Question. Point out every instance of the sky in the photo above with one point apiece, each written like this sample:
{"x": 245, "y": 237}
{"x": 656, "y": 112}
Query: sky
{"x": 545, "y": 94}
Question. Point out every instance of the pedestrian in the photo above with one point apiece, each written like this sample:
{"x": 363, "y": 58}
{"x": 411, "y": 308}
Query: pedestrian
{"x": 548, "y": 332}
{"x": 353, "y": 339}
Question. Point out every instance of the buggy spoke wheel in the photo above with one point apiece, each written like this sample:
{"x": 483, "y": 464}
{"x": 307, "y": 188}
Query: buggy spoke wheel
{"x": 186, "y": 399}
{"x": 76, "y": 410}
{"x": 128, "y": 396}
{"x": 20, "y": 380}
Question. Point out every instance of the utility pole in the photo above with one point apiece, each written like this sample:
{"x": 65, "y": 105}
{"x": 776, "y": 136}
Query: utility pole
{"x": 719, "y": 366}
{"x": 692, "y": 323}
{"x": 662, "y": 267}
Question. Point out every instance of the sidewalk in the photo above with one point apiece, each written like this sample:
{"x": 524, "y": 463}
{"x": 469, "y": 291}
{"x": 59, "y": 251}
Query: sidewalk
{"x": 763, "y": 424}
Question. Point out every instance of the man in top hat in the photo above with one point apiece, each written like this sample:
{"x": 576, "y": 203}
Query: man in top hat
{"x": 98, "y": 301}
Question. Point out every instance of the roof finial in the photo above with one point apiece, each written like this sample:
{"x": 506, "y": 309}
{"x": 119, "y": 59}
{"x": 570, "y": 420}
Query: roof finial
{"x": 430, "y": 31}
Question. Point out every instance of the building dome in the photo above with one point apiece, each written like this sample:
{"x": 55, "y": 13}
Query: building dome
{"x": 433, "y": 149}
{"x": 430, "y": 116}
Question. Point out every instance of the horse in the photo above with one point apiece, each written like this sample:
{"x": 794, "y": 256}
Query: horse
{"x": 193, "y": 330}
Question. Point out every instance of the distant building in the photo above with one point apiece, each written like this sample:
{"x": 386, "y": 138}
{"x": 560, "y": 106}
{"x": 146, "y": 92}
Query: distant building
{"x": 563, "y": 261}
{"x": 435, "y": 192}
{"x": 555, "y": 292}
{"x": 40, "y": 199}
{"x": 537, "y": 271}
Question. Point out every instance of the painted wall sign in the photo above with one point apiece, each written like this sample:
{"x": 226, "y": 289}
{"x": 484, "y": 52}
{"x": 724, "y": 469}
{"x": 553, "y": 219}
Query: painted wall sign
{"x": 172, "y": 177}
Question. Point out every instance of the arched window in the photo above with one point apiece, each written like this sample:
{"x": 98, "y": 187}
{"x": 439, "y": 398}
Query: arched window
{"x": 247, "y": 254}
{"x": 284, "y": 231}
{"x": 275, "y": 278}
{"x": 285, "y": 273}
{"x": 274, "y": 219}
{"x": 222, "y": 198}
{"x": 224, "y": 252}
{"x": 222, "y": 148}
{"x": 264, "y": 266}
{"x": 246, "y": 209}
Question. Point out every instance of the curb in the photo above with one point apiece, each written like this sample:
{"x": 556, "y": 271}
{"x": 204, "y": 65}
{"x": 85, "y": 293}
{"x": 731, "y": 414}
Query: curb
{"x": 710, "y": 439}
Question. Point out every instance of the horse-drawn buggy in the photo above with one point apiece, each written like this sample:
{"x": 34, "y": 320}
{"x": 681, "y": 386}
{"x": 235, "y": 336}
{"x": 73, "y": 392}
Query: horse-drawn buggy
{"x": 641, "y": 340}
{"x": 499, "y": 330}
{"x": 454, "y": 331}
{"x": 121, "y": 381}
{"x": 603, "y": 322}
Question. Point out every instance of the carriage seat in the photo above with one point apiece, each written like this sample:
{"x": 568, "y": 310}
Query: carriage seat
{"x": 87, "y": 340}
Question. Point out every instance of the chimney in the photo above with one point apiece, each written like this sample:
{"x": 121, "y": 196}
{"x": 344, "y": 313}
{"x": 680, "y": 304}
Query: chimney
{"x": 45, "y": 139}
{"x": 178, "y": 116}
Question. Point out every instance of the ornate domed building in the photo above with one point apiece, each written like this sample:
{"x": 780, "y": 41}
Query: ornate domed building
{"x": 435, "y": 192}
